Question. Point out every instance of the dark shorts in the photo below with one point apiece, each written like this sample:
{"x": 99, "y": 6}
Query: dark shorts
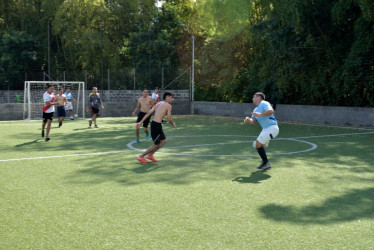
{"x": 47, "y": 116}
{"x": 140, "y": 117}
{"x": 157, "y": 133}
{"x": 94, "y": 111}
{"x": 61, "y": 111}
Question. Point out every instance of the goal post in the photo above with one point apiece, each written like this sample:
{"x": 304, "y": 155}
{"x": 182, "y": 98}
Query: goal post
{"x": 33, "y": 97}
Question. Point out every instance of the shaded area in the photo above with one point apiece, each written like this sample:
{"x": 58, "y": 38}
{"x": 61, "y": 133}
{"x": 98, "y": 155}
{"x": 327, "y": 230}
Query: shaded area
{"x": 354, "y": 205}
{"x": 255, "y": 177}
{"x": 28, "y": 143}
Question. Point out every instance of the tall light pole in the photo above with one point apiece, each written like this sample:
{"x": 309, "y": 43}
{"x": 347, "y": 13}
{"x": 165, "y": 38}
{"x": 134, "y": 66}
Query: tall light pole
{"x": 49, "y": 53}
{"x": 102, "y": 57}
{"x": 193, "y": 75}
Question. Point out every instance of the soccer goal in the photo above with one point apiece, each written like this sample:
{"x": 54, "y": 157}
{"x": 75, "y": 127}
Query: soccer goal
{"x": 33, "y": 97}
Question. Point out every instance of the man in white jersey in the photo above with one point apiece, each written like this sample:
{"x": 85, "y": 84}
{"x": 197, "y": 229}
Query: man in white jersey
{"x": 48, "y": 110}
{"x": 264, "y": 114}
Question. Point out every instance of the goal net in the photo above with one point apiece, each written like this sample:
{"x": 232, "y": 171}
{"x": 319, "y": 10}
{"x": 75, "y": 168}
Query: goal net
{"x": 33, "y": 97}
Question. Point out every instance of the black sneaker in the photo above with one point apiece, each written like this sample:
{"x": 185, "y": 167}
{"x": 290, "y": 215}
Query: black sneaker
{"x": 89, "y": 123}
{"x": 265, "y": 166}
{"x": 96, "y": 126}
{"x": 43, "y": 133}
{"x": 47, "y": 138}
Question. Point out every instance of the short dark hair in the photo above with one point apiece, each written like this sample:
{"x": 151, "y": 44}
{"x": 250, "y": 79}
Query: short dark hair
{"x": 144, "y": 89}
{"x": 49, "y": 85}
{"x": 167, "y": 93}
{"x": 260, "y": 94}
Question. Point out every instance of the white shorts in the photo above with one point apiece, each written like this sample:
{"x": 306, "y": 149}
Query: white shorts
{"x": 267, "y": 134}
{"x": 70, "y": 106}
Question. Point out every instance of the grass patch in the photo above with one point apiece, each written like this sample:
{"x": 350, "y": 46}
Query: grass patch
{"x": 72, "y": 198}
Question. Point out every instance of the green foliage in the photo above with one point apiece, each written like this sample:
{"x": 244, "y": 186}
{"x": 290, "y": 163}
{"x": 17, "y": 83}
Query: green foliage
{"x": 12, "y": 61}
{"x": 298, "y": 51}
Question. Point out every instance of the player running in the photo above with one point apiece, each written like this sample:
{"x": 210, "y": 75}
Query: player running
{"x": 264, "y": 114}
{"x": 161, "y": 109}
{"x": 61, "y": 106}
{"x": 145, "y": 103}
{"x": 94, "y": 103}
{"x": 69, "y": 98}
{"x": 48, "y": 110}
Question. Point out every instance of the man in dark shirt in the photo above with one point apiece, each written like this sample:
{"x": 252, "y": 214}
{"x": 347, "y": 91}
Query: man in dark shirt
{"x": 94, "y": 103}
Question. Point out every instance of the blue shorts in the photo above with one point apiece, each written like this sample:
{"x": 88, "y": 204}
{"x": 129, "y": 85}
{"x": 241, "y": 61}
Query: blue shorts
{"x": 61, "y": 111}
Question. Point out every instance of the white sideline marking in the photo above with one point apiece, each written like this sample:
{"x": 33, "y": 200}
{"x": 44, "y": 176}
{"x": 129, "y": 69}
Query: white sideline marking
{"x": 326, "y": 126}
{"x": 132, "y": 149}
{"x": 319, "y": 136}
{"x": 62, "y": 156}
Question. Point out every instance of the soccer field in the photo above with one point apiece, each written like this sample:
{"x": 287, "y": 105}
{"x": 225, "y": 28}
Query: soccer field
{"x": 84, "y": 189}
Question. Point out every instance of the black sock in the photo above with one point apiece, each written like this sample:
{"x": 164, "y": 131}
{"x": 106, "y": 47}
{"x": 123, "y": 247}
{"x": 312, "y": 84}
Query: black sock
{"x": 262, "y": 153}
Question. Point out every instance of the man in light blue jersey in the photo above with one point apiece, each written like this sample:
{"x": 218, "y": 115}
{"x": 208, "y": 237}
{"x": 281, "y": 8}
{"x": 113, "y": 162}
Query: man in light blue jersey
{"x": 264, "y": 114}
{"x": 69, "y": 99}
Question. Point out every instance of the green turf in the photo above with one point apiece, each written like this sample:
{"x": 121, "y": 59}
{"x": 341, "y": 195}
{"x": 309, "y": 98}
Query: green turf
{"x": 321, "y": 199}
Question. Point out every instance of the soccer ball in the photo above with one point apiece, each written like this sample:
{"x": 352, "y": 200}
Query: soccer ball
{"x": 76, "y": 116}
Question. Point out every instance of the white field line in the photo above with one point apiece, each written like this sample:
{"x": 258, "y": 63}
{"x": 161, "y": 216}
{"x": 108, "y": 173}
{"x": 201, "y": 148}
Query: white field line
{"x": 132, "y": 149}
{"x": 326, "y": 126}
{"x": 323, "y": 136}
{"x": 62, "y": 156}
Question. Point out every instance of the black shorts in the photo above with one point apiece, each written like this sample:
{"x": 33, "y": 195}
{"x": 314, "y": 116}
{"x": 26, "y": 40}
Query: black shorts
{"x": 47, "y": 116}
{"x": 94, "y": 111}
{"x": 157, "y": 133}
{"x": 140, "y": 117}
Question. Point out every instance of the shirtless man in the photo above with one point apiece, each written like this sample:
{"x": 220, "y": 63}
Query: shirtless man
{"x": 161, "y": 109}
{"x": 61, "y": 106}
{"x": 145, "y": 103}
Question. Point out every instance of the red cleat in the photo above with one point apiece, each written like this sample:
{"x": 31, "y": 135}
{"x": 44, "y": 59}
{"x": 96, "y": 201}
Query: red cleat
{"x": 142, "y": 160}
{"x": 150, "y": 157}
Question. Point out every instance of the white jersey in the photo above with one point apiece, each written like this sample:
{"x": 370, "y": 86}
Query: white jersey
{"x": 47, "y": 97}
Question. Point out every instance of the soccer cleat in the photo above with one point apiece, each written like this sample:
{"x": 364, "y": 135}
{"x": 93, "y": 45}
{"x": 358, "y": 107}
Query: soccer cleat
{"x": 89, "y": 123}
{"x": 71, "y": 118}
{"x": 147, "y": 137}
{"x": 47, "y": 138}
{"x": 43, "y": 133}
{"x": 60, "y": 124}
{"x": 96, "y": 126}
{"x": 141, "y": 159}
{"x": 137, "y": 141}
{"x": 265, "y": 166}
{"x": 150, "y": 157}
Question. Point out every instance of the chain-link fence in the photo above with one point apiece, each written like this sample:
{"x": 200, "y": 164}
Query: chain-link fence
{"x": 124, "y": 79}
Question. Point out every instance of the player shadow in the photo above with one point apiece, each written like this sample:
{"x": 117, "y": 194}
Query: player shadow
{"x": 84, "y": 128}
{"x": 255, "y": 177}
{"x": 27, "y": 143}
{"x": 144, "y": 168}
{"x": 355, "y": 205}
